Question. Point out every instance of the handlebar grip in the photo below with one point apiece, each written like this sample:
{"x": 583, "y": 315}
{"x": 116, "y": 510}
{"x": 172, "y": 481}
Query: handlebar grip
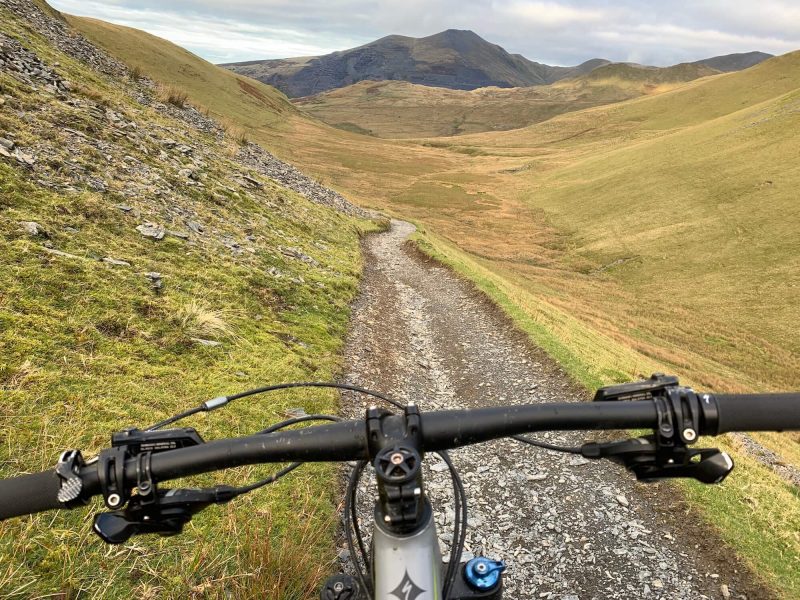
{"x": 29, "y": 494}
{"x": 758, "y": 412}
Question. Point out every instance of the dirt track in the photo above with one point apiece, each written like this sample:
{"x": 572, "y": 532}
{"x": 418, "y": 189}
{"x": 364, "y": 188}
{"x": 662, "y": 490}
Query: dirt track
{"x": 568, "y": 528}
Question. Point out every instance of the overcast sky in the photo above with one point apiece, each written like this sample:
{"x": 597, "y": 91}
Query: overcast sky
{"x": 558, "y": 32}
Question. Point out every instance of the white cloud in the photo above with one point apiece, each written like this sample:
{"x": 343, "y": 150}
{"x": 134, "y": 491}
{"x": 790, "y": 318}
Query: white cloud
{"x": 549, "y": 14}
{"x": 216, "y": 39}
{"x": 693, "y": 40}
{"x": 765, "y": 17}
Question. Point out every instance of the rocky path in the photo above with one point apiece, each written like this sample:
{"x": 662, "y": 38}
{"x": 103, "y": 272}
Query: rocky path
{"x": 569, "y": 529}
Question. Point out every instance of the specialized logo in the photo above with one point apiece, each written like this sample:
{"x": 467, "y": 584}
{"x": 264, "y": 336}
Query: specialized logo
{"x": 407, "y": 590}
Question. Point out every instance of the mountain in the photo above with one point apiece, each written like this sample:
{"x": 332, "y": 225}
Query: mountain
{"x": 734, "y": 62}
{"x": 398, "y": 109}
{"x": 453, "y": 59}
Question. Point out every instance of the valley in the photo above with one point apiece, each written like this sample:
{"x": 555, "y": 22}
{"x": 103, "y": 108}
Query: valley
{"x": 397, "y": 109}
{"x": 627, "y": 220}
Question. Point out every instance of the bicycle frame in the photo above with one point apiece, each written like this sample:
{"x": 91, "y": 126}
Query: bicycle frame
{"x": 407, "y": 567}
{"x": 406, "y": 559}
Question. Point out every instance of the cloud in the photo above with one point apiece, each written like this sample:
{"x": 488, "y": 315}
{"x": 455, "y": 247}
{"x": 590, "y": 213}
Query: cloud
{"x": 763, "y": 18}
{"x": 549, "y": 14}
{"x": 561, "y": 32}
{"x": 215, "y": 38}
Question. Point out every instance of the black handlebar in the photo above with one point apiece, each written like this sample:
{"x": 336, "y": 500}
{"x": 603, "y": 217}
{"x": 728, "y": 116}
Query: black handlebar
{"x": 758, "y": 412}
{"x": 441, "y": 430}
{"x": 28, "y": 494}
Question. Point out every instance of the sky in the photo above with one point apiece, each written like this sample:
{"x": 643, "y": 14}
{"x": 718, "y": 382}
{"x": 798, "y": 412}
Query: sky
{"x": 556, "y": 32}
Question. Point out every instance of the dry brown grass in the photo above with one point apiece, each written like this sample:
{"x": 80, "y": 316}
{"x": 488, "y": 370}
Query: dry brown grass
{"x": 92, "y": 93}
{"x": 196, "y": 320}
{"x": 18, "y": 377}
{"x": 275, "y": 565}
{"x": 240, "y": 137}
{"x": 173, "y": 95}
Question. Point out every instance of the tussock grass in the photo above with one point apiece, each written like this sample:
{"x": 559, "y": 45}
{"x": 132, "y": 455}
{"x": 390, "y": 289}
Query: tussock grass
{"x": 195, "y": 319}
{"x": 173, "y": 95}
{"x": 136, "y": 72}
{"x": 241, "y": 137}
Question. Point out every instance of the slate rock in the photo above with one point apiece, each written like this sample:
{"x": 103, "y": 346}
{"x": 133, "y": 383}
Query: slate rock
{"x": 151, "y": 230}
{"x": 31, "y": 227}
{"x": 116, "y": 262}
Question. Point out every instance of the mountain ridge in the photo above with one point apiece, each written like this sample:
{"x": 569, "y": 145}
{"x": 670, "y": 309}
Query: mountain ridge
{"x": 734, "y": 62}
{"x": 454, "y": 58}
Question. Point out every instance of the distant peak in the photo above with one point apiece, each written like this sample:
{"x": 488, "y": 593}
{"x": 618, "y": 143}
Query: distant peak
{"x": 463, "y": 32}
{"x": 456, "y": 35}
{"x": 594, "y": 63}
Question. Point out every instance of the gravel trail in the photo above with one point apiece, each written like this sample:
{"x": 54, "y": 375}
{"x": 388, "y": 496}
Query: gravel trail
{"x": 568, "y": 528}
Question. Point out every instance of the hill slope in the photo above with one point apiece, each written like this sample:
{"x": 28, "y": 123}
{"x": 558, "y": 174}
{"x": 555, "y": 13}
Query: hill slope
{"x": 396, "y": 109}
{"x": 452, "y": 59}
{"x": 178, "y": 67}
{"x": 151, "y": 261}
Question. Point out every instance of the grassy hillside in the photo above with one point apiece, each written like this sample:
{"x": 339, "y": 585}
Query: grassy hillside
{"x": 103, "y": 328}
{"x": 650, "y": 76}
{"x": 704, "y": 203}
{"x": 656, "y": 233}
{"x": 163, "y": 61}
{"x": 397, "y": 109}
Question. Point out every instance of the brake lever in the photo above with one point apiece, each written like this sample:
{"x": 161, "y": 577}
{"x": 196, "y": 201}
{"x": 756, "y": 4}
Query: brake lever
{"x": 649, "y": 462}
{"x": 666, "y": 453}
{"x": 164, "y": 514}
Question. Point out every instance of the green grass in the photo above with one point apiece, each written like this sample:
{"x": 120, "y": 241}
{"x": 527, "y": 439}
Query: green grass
{"x": 754, "y": 511}
{"x": 88, "y": 348}
{"x": 248, "y": 102}
{"x": 653, "y": 234}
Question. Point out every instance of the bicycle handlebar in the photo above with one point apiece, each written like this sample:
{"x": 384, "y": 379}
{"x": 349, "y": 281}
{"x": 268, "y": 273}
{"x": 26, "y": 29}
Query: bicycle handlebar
{"x": 441, "y": 430}
{"x": 28, "y": 494}
{"x": 758, "y": 412}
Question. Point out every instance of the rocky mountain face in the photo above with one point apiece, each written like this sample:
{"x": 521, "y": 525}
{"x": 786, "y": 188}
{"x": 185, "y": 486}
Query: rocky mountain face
{"x": 453, "y": 59}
